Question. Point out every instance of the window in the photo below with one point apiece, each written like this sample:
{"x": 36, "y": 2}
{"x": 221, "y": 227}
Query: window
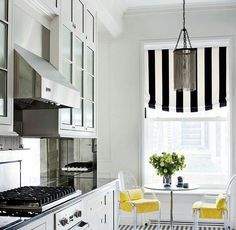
{"x": 202, "y": 137}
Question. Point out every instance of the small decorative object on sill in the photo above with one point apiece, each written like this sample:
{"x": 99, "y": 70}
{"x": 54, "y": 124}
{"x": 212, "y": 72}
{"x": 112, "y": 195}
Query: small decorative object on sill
{"x": 185, "y": 185}
{"x": 180, "y": 182}
{"x": 166, "y": 165}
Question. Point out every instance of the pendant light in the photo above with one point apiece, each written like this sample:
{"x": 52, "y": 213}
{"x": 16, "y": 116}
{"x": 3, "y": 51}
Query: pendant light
{"x": 184, "y": 62}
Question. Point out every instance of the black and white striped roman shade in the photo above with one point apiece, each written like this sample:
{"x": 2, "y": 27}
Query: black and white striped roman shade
{"x": 211, "y": 81}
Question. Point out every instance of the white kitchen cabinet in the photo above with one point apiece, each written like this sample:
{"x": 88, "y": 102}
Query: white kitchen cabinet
{"x": 100, "y": 209}
{"x": 75, "y": 56}
{"x": 6, "y": 68}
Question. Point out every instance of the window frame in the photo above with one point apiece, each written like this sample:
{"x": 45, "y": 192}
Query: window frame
{"x": 197, "y": 43}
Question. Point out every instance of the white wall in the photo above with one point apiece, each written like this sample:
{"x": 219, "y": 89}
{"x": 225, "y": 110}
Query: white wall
{"x": 119, "y": 87}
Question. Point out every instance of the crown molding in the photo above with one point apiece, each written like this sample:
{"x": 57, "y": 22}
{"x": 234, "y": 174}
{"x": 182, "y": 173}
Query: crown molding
{"x": 112, "y": 18}
{"x": 226, "y": 5}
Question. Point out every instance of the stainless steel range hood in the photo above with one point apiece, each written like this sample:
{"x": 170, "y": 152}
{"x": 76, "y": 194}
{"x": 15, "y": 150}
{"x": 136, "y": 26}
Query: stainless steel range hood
{"x": 38, "y": 84}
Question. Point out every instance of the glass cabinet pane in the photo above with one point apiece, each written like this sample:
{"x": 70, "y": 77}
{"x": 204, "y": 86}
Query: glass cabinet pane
{"x": 78, "y": 53}
{"x": 78, "y": 115}
{"x": 90, "y": 115}
{"x": 3, "y": 10}
{"x": 3, "y": 96}
{"x": 78, "y": 15}
{"x": 90, "y": 61}
{"x": 3, "y": 45}
{"x": 90, "y": 87}
{"x": 66, "y": 43}
{"x": 90, "y": 26}
{"x": 79, "y": 81}
{"x": 66, "y": 116}
{"x": 67, "y": 70}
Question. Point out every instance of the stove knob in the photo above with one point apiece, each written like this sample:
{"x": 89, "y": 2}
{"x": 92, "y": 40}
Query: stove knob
{"x": 78, "y": 213}
{"x": 64, "y": 221}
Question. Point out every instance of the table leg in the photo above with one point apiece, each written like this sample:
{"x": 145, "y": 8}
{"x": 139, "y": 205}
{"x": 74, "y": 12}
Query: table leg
{"x": 171, "y": 211}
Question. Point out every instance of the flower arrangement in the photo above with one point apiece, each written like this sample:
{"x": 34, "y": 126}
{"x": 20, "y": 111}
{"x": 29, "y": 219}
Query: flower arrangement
{"x": 167, "y": 164}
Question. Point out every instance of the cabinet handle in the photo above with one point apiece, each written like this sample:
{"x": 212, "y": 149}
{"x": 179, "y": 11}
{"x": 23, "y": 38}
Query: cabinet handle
{"x": 74, "y": 25}
{"x": 73, "y": 127}
{"x": 105, "y": 200}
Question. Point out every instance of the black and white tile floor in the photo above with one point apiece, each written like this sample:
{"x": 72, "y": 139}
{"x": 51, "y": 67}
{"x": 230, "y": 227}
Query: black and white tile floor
{"x": 177, "y": 226}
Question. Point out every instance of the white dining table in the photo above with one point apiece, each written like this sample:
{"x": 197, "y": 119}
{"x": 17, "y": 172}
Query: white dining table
{"x": 171, "y": 189}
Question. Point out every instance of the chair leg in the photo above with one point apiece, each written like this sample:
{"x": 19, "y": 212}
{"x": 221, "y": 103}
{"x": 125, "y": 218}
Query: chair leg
{"x": 135, "y": 217}
{"x": 159, "y": 220}
{"x": 226, "y": 222}
{"x": 196, "y": 219}
{"x": 118, "y": 217}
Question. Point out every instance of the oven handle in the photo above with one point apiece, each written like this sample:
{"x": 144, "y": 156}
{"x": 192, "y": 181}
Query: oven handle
{"x": 80, "y": 226}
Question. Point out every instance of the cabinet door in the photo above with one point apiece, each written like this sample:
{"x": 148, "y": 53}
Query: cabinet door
{"x": 96, "y": 212}
{"x": 5, "y": 67}
{"x": 100, "y": 210}
{"x": 67, "y": 60}
{"x": 90, "y": 27}
{"x": 109, "y": 213}
{"x": 78, "y": 16}
{"x": 66, "y": 11}
{"x": 78, "y": 81}
{"x": 90, "y": 90}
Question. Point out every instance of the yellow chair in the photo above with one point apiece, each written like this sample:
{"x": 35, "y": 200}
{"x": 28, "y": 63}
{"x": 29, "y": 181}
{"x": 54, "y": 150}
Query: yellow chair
{"x": 132, "y": 198}
{"x": 217, "y": 210}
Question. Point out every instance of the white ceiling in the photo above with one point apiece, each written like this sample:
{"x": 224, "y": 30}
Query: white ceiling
{"x": 130, "y": 4}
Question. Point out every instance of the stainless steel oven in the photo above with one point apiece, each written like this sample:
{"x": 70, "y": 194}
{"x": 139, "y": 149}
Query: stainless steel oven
{"x": 71, "y": 218}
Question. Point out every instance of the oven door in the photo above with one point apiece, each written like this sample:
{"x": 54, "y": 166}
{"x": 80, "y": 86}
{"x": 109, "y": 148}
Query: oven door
{"x": 80, "y": 226}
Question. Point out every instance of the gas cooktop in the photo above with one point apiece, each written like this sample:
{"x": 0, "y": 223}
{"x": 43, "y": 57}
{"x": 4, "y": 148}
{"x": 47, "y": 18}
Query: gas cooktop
{"x": 31, "y": 200}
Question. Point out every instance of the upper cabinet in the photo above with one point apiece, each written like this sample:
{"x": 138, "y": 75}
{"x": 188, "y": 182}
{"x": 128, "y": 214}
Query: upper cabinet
{"x": 76, "y": 60}
{"x": 6, "y": 68}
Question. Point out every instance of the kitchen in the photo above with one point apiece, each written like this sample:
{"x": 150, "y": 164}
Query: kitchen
{"x": 48, "y": 133}
{"x": 103, "y": 132}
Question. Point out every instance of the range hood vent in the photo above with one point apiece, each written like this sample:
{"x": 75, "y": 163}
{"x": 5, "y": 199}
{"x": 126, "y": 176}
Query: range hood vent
{"x": 39, "y": 85}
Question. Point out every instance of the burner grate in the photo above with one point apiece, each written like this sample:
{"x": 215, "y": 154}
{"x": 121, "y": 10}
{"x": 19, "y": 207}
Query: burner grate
{"x": 33, "y": 196}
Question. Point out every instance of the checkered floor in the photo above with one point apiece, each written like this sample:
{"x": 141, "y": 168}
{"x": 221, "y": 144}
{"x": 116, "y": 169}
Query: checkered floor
{"x": 178, "y": 226}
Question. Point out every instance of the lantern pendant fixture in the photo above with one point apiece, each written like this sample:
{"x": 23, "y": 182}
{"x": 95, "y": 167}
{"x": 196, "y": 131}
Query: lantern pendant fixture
{"x": 185, "y": 62}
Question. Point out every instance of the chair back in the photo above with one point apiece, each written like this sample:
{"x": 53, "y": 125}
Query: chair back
{"x": 126, "y": 181}
{"x": 228, "y": 187}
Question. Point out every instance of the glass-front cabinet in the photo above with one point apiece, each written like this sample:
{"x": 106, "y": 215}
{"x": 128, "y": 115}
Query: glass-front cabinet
{"x": 6, "y": 77}
{"x": 78, "y": 63}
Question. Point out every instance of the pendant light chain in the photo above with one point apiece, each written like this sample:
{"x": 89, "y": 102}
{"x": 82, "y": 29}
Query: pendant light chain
{"x": 184, "y": 29}
{"x": 186, "y": 38}
{"x": 184, "y": 14}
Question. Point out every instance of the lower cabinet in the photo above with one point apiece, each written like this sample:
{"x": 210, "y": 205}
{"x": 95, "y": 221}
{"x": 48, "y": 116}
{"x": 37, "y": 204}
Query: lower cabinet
{"x": 100, "y": 209}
